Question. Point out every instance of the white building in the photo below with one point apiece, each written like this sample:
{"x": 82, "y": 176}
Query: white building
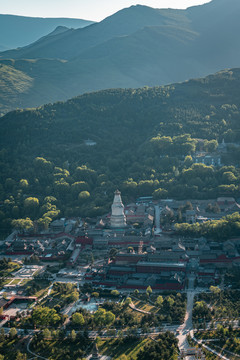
{"x": 118, "y": 218}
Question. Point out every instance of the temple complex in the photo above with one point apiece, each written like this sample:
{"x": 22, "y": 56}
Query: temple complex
{"x": 118, "y": 218}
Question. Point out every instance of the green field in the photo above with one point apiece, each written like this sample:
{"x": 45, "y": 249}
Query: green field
{"x": 117, "y": 348}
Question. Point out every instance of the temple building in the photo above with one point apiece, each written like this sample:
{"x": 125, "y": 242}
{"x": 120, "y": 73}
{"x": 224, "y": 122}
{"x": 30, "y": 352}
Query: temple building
{"x": 118, "y": 218}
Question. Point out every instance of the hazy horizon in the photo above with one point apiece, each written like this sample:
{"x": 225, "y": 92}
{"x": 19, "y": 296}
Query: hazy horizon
{"x": 93, "y": 10}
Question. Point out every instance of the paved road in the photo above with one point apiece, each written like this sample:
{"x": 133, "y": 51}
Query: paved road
{"x": 187, "y": 326}
{"x": 158, "y": 210}
{"x": 133, "y": 307}
{"x": 212, "y": 351}
{"x": 32, "y": 353}
{"x": 3, "y": 322}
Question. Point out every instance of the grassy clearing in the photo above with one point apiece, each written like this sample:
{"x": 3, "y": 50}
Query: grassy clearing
{"x": 14, "y": 266}
{"x": 15, "y": 281}
{"x": 7, "y": 281}
{"x": 41, "y": 292}
{"x": 11, "y": 267}
{"x": 37, "y": 288}
{"x": 116, "y": 348}
{"x": 25, "y": 281}
{"x": 145, "y": 306}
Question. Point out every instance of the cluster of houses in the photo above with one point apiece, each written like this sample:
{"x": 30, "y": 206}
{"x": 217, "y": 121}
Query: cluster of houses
{"x": 214, "y": 158}
{"x": 135, "y": 255}
{"x": 164, "y": 262}
{"x": 48, "y": 246}
{"x": 198, "y": 210}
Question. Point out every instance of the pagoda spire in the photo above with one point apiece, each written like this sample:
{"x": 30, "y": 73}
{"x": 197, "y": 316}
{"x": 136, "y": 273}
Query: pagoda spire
{"x": 118, "y": 218}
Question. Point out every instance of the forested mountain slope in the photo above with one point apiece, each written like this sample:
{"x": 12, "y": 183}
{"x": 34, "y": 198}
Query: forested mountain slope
{"x": 135, "y": 47}
{"x": 144, "y": 142}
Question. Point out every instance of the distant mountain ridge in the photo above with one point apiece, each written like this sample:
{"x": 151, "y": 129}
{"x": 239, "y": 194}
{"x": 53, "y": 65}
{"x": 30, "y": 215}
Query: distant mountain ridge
{"x": 16, "y": 31}
{"x": 124, "y": 23}
{"x": 135, "y": 47}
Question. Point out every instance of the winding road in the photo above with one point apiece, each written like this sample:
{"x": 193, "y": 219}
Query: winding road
{"x": 187, "y": 328}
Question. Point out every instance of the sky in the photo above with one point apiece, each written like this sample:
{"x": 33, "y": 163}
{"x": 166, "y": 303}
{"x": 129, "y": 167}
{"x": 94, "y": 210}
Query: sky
{"x": 84, "y": 9}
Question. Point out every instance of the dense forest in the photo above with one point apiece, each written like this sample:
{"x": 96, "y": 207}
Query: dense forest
{"x": 145, "y": 142}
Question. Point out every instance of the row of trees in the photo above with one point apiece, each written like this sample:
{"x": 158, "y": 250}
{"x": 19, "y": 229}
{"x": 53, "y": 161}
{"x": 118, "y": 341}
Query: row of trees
{"x": 227, "y": 227}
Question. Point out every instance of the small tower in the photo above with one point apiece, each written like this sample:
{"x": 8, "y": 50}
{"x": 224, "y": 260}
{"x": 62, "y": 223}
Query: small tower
{"x": 118, "y": 218}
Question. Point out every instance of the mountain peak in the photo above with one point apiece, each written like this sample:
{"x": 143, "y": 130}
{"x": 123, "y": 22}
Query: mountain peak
{"x": 59, "y": 30}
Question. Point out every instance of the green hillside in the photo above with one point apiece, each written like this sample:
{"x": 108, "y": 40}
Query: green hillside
{"x": 23, "y": 83}
{"x": 13, "y": 83}
{"x": 144, "y": 142}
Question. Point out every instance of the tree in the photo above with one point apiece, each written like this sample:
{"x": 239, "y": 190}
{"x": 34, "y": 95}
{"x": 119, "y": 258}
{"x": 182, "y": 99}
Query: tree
{"x": 115, "y": 293}
{"x": 229, "y": 178}
{"x": 12, "y": 333}
{"x": 164, "y": 348}
{"x": 159, "y": 300}
{"x": 103, "y": 317}
{"x": 74, "y": 296}
{"x": 201, "y": 310}
{"x": 42, "y": 165}
{"x": 83, "y": 173}
{"x": 49, "y": 199}
{"x": 149, "y": 291}
{"x": 44, "y": 222}
{"x": 188, "y": 161}
{"x": 2, "y": 335}
{"x": 23, "y": 224}
{"x": 73, "y": 335}
{"x": 169, "y": 301}
{"x": 127, "y": 301}
{"x": 99, "y": 317}
{"x": 78, "y": 319}
{"x": 44, "y": 316}
{"x": 123, "y": 357}
{"x": 215, "y": 289}
{"x": 83, "y": 196}
{"x": 109, "y": 318}
{"x": 21, "y": 356}
{"x": 31, "y": 206}
{"x": 46, "y": 333}
{"x": 160, "y": 194}
{"x": 23, "y": 184}
{"x": 79, "y": 186}
{"x": 95, "y": 294}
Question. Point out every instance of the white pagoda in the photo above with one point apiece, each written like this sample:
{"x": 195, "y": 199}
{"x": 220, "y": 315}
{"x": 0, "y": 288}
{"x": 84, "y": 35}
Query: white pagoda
{"x": 118, "y": 218}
